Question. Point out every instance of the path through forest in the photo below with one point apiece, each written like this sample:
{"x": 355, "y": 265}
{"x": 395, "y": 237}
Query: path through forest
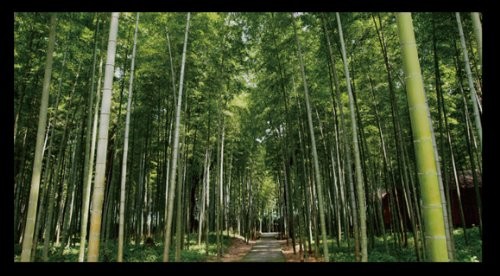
{"x": 266, "y": 249}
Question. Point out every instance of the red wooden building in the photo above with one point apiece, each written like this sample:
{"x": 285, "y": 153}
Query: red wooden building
{"x": 467, "y": 194}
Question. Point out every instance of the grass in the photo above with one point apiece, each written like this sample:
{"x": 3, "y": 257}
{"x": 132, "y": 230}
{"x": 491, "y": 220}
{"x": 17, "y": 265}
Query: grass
{"x": 132, "y": 252}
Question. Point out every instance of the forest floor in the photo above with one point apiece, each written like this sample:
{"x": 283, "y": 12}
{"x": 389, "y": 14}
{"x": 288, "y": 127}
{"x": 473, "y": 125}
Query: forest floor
{"x": 237, "y": 249}
{"x": 464, "y": 252}
{"x": 470, "y": 251}
{"x": 299, "y": 256}
{"x": 265, "y": 249}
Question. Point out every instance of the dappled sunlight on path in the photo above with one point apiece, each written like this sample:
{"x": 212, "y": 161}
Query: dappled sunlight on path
{"x": 266, "y": 249}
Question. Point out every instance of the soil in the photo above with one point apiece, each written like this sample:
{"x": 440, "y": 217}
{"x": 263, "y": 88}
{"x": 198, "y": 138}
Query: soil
{"x": 299, "y": 256}
{"x": 236, "y": 251}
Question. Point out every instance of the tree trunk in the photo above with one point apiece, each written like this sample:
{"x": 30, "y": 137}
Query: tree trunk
{"x": 445, "y": 184}
{"x": 424, "y": 151}
{"x": 168, "y": 224}
{"x": 89, "y": 151}
{"x": 357, "y": 159}
{"x": 478, "y": 32}
{"x": 37, "y": 163}
{"x": 470, "y": 139}
{"x": 125, "y": 150}
{"x": 220, "y": 193}
{"x": 48, "y": 170}
{"x": 473, "y": 93}
{"x": 207, "y": 207}
{"x": 179, "y": 208}
{"x": 305, "y": 176}
{"x": 51, "y": 194}
{"x": 89, "y": 173}
{"x": 318, "y": 181}
{"x": 203, "y": 196}
{"x": 68, "y": 214}
{"x": 98, "y": 193}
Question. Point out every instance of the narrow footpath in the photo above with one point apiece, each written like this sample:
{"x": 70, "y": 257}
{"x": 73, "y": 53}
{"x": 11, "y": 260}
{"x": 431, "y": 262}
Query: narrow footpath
{"x": 266, "y": 249}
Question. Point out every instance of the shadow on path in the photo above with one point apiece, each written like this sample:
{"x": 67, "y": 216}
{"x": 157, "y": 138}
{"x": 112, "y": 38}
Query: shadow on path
{"x": 266, "y": 249}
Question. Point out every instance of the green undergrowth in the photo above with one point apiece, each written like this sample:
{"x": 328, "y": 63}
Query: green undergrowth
{"x": 134, "y": 253}
{"x": 470, "y": 252}
{"x": 377, "y": 252}
{"x": 473, "y": 250}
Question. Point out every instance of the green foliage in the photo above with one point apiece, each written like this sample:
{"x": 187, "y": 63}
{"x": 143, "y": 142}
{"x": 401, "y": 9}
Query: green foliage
{"x": 132, "y": 252}
{"x": 143, "y": 253}
{"x": 471, "y": 252}
{"x": 463, "y": 252}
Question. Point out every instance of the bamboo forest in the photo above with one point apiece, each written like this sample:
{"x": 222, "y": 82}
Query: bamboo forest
{"x": 247, "y": 137}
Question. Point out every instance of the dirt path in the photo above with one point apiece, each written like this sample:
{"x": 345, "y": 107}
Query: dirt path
{"x": 266, "y": 249}
{"x": 236, "y": 251}
{"x": 299, "y": 256}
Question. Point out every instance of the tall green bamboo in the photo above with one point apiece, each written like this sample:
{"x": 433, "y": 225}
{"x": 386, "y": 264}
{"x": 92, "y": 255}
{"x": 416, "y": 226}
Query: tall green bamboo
{"x": 285, "y": 148}
{"x": 318, "y": 181}
{"x": 48, "y": 169}
{"x": 472, "y": 88}
{"x": 59, "y": 159}
{"x": 89, "y": 152}
{"x": 121, "y": 227}
{"x": 102, "y": 145}
{"x": 219, "y": 208}
{"x": 342, "y": 148}
{"x": 423, "y": 143}
{"x": 37, "y": 163}
{"x": 173, "y": 170}
{"x": 357, "y": 159}
{"x": 478, "y": 32}
{"x": 167, "y": 167}
{"x": 203, "y": 196}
